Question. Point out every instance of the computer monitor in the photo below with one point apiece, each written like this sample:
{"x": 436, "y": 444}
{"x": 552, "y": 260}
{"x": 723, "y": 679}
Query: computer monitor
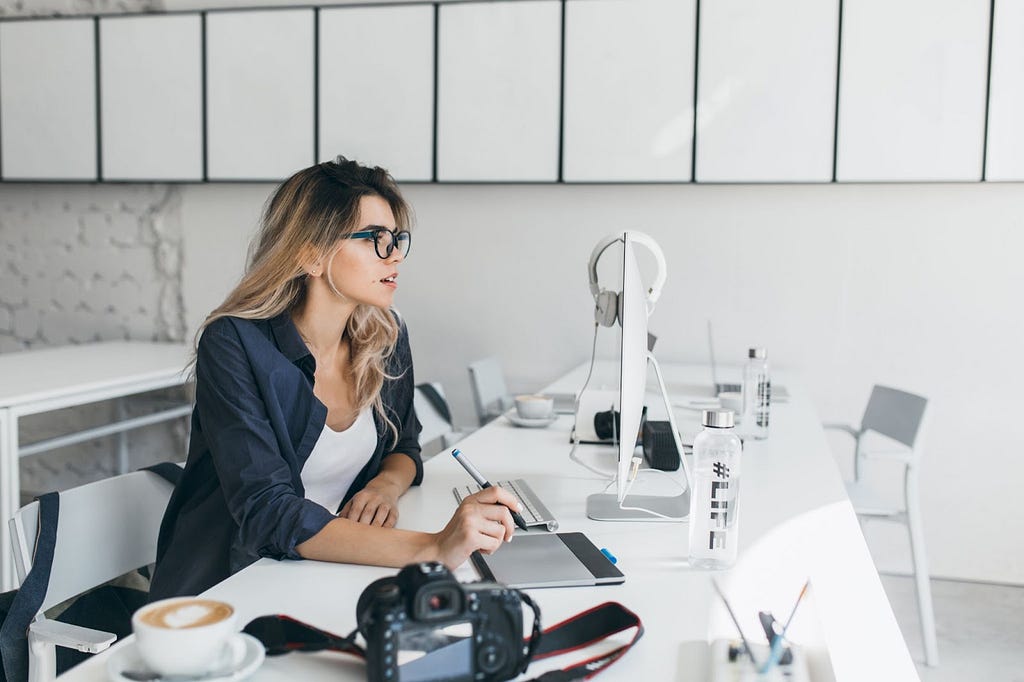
{"x": 634, "y": 357}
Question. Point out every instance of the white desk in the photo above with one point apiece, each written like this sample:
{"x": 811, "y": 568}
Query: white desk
{"x": 796, "y": 523}
{"x": 54, "y": 378}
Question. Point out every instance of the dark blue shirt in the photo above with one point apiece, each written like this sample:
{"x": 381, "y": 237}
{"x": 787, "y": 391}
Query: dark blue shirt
{"x": 255, "y": 423}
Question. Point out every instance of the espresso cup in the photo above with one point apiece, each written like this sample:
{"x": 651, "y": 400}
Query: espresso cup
{"x": 183, "y": 635}
{"x": 534, "y": 406}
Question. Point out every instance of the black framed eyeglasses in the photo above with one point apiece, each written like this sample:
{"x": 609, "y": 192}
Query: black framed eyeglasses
{"x": 385, "y": 241}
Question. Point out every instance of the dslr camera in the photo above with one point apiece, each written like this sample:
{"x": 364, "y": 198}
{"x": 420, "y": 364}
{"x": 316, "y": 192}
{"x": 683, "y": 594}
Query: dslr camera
{"x": 423, "y": 625}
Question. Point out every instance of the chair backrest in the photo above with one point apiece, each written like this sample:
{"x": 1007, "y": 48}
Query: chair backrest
{"x": 490, "y": 395}
{"x": 106, "y": 529}
{"x": 894, "y": 413}
{"x": 434, "y": 424}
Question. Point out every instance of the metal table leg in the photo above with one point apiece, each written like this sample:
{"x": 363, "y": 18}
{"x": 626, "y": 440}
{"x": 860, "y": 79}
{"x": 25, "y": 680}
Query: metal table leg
{"x": 9, "y": 493}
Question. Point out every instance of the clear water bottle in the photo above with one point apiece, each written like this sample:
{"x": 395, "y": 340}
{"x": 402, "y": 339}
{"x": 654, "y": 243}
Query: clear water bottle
{"x": 757, "y": 395}
{"x": 714, "y": 531}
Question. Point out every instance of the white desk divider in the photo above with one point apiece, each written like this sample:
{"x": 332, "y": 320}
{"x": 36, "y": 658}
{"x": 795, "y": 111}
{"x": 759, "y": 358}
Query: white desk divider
{"x": 629, "y": 90}
{"x": 48, "y": 99}
{"x": 152, "y": 98}
{"x": 259, "y": 85}
{"x": 912, "y": 90}
{"x": 1005, "y": 158}
{"x": 767, "y": 91}
{"x": 377, "y": 87}
{"x": 498, "y": 91}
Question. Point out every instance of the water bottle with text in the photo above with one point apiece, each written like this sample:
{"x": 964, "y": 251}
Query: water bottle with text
{"x": 757, "y": 395}
{"x": 714, "y": 500}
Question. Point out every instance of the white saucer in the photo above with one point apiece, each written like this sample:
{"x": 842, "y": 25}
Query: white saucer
{"x": 531, "y": 423}
{"x": 242, "y": 655}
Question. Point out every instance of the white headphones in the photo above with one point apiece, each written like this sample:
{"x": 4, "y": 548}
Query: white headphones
{"x": 607, "y": 303}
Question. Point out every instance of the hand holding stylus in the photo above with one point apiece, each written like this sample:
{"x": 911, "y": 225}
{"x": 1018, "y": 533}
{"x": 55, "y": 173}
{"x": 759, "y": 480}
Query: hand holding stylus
{"x": 484, "y": 483}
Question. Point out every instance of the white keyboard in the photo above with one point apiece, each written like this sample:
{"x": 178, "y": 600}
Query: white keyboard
{"x": 534, "y": 512}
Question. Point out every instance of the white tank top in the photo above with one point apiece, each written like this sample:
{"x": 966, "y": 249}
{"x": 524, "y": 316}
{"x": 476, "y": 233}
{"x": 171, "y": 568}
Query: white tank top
{"x": 336, "y": 460}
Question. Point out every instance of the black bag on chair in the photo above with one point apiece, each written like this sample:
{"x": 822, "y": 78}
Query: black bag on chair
{"x": 106, "y": 608}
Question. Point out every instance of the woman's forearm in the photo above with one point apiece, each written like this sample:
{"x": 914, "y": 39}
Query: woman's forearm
{"x": 398, "y": 470}
{"x": 347, "y": 541}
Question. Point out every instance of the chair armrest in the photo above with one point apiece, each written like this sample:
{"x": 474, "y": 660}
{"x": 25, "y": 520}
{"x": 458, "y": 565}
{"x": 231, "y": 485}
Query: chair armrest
{"x": 71, "y": 636}
{"x": 845, "y": 428}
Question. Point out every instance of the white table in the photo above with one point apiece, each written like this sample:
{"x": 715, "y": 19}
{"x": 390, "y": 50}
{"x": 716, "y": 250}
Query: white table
{"x": 796, "y": 523}
{"x": 49, "y": 379}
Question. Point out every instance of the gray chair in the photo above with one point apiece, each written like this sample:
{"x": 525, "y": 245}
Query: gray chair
{"x": 105, "y": 529}
{"x": 898, "y": 416}
{"x": 435, "y": 417}
{"x": 490, "y": 395}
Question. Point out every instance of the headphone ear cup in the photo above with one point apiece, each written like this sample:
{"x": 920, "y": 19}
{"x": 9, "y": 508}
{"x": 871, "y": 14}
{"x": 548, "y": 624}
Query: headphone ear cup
{"x": 606, "y": 308}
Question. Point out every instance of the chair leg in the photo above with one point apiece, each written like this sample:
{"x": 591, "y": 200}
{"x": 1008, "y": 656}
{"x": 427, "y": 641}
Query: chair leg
{"x": 921, "y": 576}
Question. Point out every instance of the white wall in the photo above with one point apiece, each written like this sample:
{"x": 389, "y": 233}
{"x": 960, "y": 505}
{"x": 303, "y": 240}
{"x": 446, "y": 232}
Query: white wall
{"x": 915, "y": 286}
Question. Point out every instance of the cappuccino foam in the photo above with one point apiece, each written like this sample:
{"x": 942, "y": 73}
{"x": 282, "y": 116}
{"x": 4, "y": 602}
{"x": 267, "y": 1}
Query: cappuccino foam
{"x": 193, "y": 613}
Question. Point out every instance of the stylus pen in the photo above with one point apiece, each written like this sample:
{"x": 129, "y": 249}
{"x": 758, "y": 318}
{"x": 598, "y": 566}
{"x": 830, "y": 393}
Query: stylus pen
{"x": 484, "y": 483}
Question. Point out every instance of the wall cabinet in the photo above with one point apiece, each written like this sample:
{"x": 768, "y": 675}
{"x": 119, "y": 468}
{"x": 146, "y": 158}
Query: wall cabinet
{"x": 613, "y": 91}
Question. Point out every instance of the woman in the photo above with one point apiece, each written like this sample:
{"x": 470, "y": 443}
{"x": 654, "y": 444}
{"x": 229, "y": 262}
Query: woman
{"x": 303, "y": 434}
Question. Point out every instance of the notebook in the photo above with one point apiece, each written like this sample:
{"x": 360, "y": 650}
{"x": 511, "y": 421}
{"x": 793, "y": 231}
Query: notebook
{"x": 549, "y": 560}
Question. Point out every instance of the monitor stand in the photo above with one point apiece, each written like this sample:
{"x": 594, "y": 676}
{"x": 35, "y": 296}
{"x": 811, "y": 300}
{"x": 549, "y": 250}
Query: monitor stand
{"x": 669, "y": 508}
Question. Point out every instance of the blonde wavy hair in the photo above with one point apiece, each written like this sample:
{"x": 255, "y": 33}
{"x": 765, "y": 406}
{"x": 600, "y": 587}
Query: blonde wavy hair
{"x": 305, "y": 220}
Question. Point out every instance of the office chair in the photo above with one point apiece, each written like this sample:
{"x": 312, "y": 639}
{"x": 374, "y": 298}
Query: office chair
{"x": 897, "y": 415}
{"x": 105, "y": 529}
{"x": 436, "y": 419}
{"x": 490, "y": 395}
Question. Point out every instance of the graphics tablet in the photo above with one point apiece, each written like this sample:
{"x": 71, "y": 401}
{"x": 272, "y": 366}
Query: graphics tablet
{"x": 549, "y": 560}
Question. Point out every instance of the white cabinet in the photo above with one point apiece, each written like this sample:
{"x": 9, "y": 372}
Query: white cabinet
{"x": 629, "y": 90}
{"x": 48, "y": 99}
{"x": 377, "y": 87}
{"x": 498, "y": 91}
{"x": 766, "y": 91}
{"x": 1005, "y": 158}
{"x": 151, "y": 95}
{"x": 259, "y": 93}
{"x": 912, "y": 90}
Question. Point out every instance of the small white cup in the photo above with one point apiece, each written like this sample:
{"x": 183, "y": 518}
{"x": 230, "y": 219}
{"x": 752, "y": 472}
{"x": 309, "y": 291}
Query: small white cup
{"x": 534, "y": 406}
{"x": 732, "y": 401}
{"x": 183, "y": 635}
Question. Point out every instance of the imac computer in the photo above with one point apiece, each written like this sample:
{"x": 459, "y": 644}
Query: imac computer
{"x": 634, "y": 357}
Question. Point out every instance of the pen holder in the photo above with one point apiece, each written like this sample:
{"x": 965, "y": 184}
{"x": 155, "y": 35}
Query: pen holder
{"x": 727, "y": 661}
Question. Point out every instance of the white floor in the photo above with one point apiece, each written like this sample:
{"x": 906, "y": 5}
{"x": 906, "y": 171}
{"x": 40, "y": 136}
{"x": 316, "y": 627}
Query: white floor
{"x": 980, "y": 629}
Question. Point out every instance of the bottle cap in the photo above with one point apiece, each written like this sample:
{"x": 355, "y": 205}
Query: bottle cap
{"x": 718, "y": 419}
{"x": 758, "y": 353}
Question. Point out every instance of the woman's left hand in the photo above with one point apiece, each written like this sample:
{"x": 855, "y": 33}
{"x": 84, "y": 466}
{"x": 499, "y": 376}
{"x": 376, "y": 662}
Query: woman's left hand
{"x": 374, "y": 505}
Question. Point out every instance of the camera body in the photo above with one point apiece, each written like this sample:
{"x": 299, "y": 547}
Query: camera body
{"x": 450, "y": 631}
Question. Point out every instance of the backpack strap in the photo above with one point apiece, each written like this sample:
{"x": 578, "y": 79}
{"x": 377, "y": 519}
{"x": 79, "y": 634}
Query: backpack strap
{"x": 14, "y": 632}
{"x": 169, "y": 471}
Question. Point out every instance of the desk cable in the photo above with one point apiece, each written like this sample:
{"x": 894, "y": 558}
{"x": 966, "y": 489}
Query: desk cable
{"x": 576, "y": 413}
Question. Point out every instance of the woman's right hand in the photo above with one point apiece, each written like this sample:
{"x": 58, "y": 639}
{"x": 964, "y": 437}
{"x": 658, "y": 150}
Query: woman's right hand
{"x": 482, "y": 522}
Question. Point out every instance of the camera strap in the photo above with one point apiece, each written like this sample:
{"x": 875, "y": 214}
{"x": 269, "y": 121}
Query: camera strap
{"x": 582, "y": 630}
{"x": 282, "y": 634}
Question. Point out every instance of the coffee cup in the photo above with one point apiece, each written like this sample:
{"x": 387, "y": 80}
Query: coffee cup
{"x": 534, "y": 406}
{"x": 732, "y": 401}
{"x": 183, "y": 635}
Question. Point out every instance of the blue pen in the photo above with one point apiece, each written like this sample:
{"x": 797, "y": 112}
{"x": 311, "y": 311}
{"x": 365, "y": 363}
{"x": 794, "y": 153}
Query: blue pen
{"x": 484, "y": 483}
{"x": 776, "y": 648}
